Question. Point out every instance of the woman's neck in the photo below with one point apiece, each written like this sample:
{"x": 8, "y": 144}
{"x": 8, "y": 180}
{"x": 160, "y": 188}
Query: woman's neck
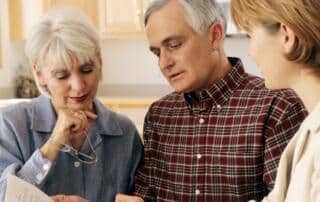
{"x": 307, "y": 86}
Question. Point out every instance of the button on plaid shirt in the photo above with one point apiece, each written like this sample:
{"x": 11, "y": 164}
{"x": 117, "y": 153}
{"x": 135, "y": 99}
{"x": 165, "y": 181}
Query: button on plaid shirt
{"x": 222, "y": 145}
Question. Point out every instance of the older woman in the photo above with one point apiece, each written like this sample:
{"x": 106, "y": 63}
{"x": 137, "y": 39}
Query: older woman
{"x": 285, "y": 43}
{"x": 65, "y": 141}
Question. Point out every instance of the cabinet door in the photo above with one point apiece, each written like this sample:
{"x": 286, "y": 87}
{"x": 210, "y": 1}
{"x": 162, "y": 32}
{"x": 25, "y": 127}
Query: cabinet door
{"x": 1, "y": 17}
{"x": 122, "y": 17}
{"x": 22, "y": 16}
{"x": 89, "y": 7}
{"x": 16, "y": 25}
{"x": 24, "y": 13}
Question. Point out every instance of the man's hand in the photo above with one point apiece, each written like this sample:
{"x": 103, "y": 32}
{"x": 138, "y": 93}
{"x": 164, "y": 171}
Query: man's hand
{"x": 126, "y": 198}
{"x": 68, "y": 198}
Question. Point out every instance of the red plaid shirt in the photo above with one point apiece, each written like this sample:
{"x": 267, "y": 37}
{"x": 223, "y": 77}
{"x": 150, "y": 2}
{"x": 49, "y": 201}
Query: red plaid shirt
{"x": 223, "y": 145}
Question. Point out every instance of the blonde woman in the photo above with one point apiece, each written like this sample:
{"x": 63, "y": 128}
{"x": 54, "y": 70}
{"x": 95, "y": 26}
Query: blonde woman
{"x": 65, "y": 141}
{"x": 285, "y": 43}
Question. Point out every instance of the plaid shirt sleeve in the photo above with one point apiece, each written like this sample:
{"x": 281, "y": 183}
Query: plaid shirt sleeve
{"x": 279, "y": 129}
{"x": 144, "y": 174}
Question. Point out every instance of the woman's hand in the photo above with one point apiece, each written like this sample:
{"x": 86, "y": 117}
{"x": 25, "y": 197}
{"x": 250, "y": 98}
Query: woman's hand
{"x": 127, "y": 198}
{"x": 71, "y": 126}
{"x": 66, "y": 198}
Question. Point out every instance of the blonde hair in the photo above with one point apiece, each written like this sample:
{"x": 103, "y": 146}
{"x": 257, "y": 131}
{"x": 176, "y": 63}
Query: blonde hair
{"x": 61, "y": 36}
{"x": 302, "y": 16}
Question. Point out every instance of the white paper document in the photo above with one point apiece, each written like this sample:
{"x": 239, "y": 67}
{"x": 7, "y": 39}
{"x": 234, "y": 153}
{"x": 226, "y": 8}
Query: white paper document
{"x": 22, "y": 191}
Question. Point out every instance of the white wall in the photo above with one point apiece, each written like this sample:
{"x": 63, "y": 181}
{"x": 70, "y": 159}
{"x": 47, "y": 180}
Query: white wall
{"x": 130, "y": 61}
{"x": 238, "y": 46}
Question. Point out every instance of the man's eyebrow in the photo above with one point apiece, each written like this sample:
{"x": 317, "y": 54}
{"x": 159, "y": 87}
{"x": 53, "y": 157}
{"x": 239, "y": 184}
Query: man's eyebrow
{"x": 171, "y": 38}
{"x": 152, "y": 48}
{"x": 165, "y": 41}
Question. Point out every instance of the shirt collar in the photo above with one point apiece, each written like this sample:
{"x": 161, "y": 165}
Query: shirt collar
{"x": 313, "y": 120}
{"x": 44, "y": 117}
{"x": 221, "y": 90}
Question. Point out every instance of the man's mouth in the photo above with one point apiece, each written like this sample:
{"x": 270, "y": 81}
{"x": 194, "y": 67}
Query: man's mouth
{"x": 175, "y": 76}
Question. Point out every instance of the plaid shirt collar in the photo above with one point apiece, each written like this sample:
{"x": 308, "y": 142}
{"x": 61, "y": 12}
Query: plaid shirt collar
{"x": 220, "y": 91}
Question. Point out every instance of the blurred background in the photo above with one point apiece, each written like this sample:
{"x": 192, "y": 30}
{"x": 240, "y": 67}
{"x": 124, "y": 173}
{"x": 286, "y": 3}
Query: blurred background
{"x": 131, "y": 77}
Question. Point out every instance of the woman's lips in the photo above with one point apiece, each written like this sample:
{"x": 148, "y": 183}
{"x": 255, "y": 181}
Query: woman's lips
{"x": 78, "y": 99}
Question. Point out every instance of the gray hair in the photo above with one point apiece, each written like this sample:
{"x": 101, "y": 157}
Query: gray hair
{"x": 201, "y": 13}
{"x": 61, "y": 36}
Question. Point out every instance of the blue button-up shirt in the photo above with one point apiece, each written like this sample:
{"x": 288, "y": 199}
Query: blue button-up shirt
{"x": 25, "y": 127}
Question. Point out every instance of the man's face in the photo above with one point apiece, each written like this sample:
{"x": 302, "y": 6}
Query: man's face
{"x": 185, "y": 57}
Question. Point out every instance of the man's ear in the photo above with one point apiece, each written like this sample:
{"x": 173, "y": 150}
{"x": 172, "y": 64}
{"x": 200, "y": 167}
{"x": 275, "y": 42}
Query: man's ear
{"x": 38, "y": 74}
{"x": 216, "y": 35}
{"x": 288, "y": 38}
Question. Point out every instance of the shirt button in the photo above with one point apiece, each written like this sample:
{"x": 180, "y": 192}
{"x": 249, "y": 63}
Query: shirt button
{"x": 201, "y": 120}
{"x": 199, "y": 156}
{"x": 76, "y": 164}
{"x": 39, "y": 177}
{"x": 45, "y": 167}
{"x": 218, "y": 107}
{"x": 197, "y": 191}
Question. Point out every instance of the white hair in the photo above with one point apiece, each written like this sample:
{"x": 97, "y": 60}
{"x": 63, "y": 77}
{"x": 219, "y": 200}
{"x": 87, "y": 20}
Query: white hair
{"x": 201, "y": 13}
{"x": 59, "y": 37}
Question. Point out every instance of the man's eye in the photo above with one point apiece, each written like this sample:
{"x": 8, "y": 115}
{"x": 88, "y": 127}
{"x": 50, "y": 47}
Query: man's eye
{"x": 156, "y": 53}
{"x": 174, "y": 45}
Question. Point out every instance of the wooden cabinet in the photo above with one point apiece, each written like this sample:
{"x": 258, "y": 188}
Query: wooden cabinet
{"x": 0, "y": 47}
{"x": 24, "y": 13}
{"x": 0, "y": 39}
{"x": 2, "y": 17}
{"x": 112, "y": 18}
{"x": 89, "y": 7}
{"x": 122, "y": 18}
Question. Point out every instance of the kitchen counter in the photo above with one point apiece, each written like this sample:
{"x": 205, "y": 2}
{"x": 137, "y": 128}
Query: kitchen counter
{"x": 127, "y": 102}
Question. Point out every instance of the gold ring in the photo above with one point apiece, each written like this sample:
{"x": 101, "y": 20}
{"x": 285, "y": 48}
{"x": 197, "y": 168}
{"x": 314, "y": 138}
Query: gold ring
{"x": 77, "y": 113}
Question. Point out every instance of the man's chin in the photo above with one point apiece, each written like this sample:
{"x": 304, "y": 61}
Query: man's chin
{"x": 182, "y": 89}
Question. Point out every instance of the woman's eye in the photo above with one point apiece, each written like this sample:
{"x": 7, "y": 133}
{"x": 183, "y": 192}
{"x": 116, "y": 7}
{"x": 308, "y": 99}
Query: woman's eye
{"x": 61, "y": 76}
{"x": 87, "y": 69}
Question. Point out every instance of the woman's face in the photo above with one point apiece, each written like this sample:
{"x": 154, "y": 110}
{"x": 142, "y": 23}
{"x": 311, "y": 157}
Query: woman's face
{"x": 266, "y": 49}
{"x": 73, "y": 88}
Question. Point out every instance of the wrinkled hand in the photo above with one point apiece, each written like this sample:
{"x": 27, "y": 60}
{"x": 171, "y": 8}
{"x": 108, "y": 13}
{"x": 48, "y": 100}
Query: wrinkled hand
{"x": 71, "y": 125}
{"x": 68, "y": 198}
{"x": 127, "y": 198}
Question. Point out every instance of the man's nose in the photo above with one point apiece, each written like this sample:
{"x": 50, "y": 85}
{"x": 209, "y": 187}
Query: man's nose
{"x": 165, "y": 60}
